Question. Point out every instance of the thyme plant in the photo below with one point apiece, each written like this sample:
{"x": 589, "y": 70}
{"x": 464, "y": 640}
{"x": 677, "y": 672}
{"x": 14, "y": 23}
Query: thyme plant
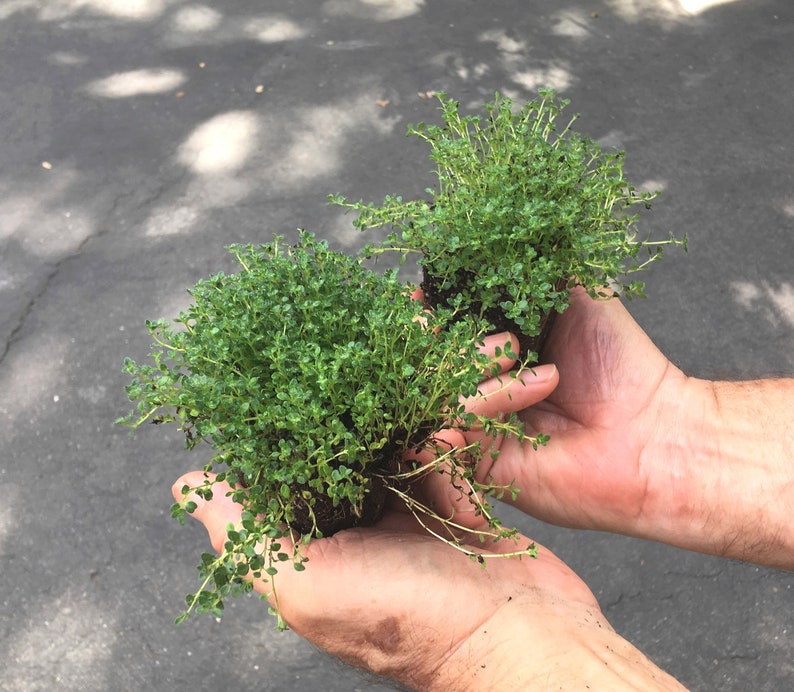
{"x": 522, "y": 211}
{"x": 311, "y": 376}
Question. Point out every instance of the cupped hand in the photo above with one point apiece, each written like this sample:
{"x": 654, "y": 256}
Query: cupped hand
{"x": 612, "y": 458}
{"x": 399, "y": 602}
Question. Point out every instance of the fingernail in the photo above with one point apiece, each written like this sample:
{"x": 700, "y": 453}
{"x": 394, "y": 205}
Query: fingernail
{"x": 543, "y": 373}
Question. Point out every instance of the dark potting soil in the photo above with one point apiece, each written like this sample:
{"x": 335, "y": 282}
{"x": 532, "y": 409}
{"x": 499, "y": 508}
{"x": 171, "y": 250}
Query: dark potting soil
{"x": 329, "y": 518}
{"x": 434, "y": 297}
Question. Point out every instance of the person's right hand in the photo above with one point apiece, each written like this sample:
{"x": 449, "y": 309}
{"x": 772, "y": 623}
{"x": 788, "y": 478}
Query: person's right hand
{"x": 639, "y": 448}
{"x": 614, "y": 455}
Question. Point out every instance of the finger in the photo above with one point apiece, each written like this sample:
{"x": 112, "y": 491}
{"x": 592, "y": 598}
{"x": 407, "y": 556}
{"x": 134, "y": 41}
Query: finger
{"x": 444, "y": 490}
{"x": 499, "y": 397}
{"x": 451, "y": 496}
{"x": 216, "y": 514}
{"x": 496, "y": 347}
{"x": 508, "y": 394}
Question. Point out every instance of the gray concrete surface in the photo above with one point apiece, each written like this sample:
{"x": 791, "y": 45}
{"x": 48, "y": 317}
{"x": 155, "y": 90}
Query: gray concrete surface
{"x": 139, "y": 137}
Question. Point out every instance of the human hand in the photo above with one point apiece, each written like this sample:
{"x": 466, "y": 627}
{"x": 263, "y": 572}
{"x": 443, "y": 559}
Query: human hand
{"x": 398, "y": 602}
{"x": 612, "y": 460}
{"x": 639, "y": 448}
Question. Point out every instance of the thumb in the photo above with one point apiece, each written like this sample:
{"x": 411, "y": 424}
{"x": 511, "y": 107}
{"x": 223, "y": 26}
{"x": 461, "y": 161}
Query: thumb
{"x": 216, "y": 513}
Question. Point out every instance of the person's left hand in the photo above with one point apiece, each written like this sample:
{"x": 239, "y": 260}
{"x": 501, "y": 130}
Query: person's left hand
{"x": 396, "y": 601}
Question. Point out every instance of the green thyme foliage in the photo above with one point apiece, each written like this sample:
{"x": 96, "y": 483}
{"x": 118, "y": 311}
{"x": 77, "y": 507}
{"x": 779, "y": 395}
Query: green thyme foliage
{"x": 309, "y": 375}
{"x": 522, "y": 211}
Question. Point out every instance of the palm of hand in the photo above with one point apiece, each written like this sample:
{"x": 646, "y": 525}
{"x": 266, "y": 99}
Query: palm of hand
{"x": 601, "y": 418}
{"x": 397, "y": 601}
{"x": 422, "y": 596}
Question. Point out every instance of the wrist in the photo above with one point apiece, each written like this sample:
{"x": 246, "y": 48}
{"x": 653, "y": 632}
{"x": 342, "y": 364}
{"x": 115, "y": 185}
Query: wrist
{"x": 574, "y": 649}
{"x": 727, "y": 454}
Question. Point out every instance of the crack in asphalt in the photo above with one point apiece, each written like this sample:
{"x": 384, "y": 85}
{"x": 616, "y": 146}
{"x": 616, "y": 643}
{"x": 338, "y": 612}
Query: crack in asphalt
{"x": 104, "y": 229}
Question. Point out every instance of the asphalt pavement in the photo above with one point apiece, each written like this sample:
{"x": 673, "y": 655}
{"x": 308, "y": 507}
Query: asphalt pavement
{"x": 138, "y": 138}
